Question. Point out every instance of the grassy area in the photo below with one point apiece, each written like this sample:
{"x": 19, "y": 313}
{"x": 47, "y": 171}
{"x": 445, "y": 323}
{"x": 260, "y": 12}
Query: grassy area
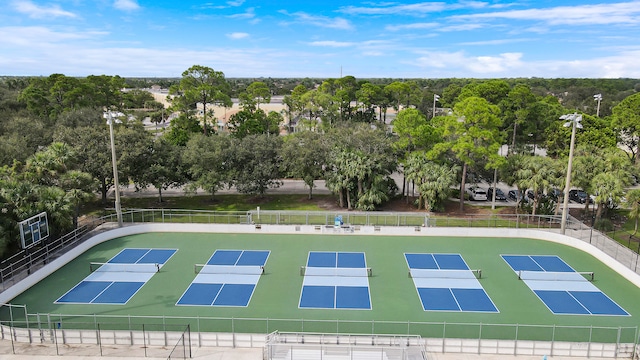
{"x": 227, "y": 202}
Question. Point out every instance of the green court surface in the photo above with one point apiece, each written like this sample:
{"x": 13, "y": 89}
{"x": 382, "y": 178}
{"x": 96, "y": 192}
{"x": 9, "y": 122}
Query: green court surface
{"x": 396, "y": 307}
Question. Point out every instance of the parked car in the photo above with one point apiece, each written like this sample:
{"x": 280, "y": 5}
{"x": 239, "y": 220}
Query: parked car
{"x": 514, "y": 195}
{"x": 556, "y": 194}
{"x": 531, "y": 197}
{"x": 578, "y": 196}
{"x": 477, "y": 193}
{"x": 499, "y": 194}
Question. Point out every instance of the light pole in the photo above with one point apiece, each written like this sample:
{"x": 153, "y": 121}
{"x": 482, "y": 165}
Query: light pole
{"x": 598, "y": 98}
{"x": 436, "y": 97}
{"x": 111, "y": 118}
{"x": 574, "y": 122}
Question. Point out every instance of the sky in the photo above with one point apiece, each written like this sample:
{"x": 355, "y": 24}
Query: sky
{"x": 322, "y": 38}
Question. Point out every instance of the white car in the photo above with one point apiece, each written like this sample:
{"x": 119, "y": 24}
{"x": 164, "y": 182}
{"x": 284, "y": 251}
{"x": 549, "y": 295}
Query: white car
{"x": 477, "y": 194}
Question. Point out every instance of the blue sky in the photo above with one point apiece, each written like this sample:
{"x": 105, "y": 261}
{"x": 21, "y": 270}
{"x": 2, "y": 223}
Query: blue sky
{"x": 379, "y": 39}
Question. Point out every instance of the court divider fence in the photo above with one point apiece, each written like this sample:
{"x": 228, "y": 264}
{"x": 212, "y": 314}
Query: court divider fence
{"x": 173, "y": 336}
{"x": 449, "y": 337}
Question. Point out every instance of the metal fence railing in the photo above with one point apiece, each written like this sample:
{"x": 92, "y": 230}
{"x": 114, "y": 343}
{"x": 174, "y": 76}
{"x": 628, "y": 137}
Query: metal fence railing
{"x": 22, "y": 264}
{"x": 624, "y": 340}
{"x": 169, "y": 332}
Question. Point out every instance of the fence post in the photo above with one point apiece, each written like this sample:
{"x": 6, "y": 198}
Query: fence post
{"x": 99, "y": 340}
{"x": 515, "y": 343}
{"x": 553, "y": 339}
{"x": 55, "y": 338}
{"x": 144, "y": 340}
{"x": 479, "y": 339}
{"x": 590, "y": 337}
{"x": 444, "y": 336}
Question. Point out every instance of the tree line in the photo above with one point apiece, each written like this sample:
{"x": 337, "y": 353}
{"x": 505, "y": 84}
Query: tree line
{"x": 354, "y": 134}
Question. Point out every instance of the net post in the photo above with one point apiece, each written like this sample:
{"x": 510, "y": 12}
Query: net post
{"x": 301, "y": 270}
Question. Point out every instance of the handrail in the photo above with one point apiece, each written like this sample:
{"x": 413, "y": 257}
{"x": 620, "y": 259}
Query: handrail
{"x": 22, "y": 264}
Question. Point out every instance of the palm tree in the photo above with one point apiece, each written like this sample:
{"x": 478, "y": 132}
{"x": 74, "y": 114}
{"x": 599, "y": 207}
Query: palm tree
{"x": 537, "y": 173}
{"x": 608, "y": 188}
{"x": 633, "y": 202}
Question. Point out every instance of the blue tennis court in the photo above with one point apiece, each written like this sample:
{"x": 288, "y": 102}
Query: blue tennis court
{"x": 335, "y": 280}
{"x": 563, "y": 290}
{"x": 227, "y": 279}
{"x": 444, "y": 282}
{"x": 119, "y": 279}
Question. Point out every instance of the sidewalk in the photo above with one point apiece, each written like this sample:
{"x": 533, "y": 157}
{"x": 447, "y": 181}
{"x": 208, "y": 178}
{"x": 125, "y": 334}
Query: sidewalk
{"x": 120, "y": 352}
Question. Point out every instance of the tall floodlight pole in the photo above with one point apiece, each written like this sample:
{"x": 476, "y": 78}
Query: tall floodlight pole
{"x": 436, "y": 97}
{"x": 598, "y": 98}
{"x": 111, "y": 118}
{"x": 574, "y": 122}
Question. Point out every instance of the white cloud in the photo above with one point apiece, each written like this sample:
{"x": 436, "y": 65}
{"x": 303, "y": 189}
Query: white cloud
{"x": 417, "y": 9}
{"x": 321, "y": 21}
{"x": 235, "y": 3}
{"x": 39, "y": 12}
{"x": 494, "y": 42}
{"x": 237, "y": 35}
{"x": 126, "y": 5}
{"x": 28, "y": 36}
{"x": 459, "y": 64}
{"x": 461, "y": 27}
{"x": 414, "y": 26}
{"x": 616, "y": 13}
{"x": 248, "y": 14}
{"x": 482, "y": 65}
{"x": 393, "y": 9}
{"x": 330, "y": 43}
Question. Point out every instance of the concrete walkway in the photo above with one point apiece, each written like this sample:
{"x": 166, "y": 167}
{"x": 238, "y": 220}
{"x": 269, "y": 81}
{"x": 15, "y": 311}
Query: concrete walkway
{"x": 111, "y": 352}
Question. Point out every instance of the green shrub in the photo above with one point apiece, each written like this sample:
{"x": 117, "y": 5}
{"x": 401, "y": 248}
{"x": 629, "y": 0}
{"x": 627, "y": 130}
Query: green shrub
{"x": 603, "y": 225}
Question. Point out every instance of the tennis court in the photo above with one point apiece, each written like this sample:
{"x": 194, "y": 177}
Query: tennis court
{"x": 119, "y": 279}
{"x": 227, "y": 279}
{"x": 378, "y": 296}
{"x": 335, "y": 280}
{"x": 445, "y": 283}
{"x": 560, "y": 287}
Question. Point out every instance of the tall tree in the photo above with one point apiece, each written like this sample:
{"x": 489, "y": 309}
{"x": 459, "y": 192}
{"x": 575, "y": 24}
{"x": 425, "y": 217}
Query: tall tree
{"x": 257, "y": 93}
{"x": 207, "y": 161}
{"x": 626, "y": 121}
{"x": 161, "y": 166}
{"x": 516, "y": 107}
{"x": 305, "y": 155}
{"x": 537, "y": 173}
{"x": 471, "y": 134}
{"x": 91, "y": 146}
{"x": 255, "y": 163}
{"x": 434, "y": 181}
{"x": 201, "y": 84}
{"x": 360, "y": 165}
{"x": 295, "y": 105}
{"x": 633, "y": 203}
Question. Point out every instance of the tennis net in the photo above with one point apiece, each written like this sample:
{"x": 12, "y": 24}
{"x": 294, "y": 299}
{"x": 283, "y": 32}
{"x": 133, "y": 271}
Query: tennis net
{"x": 335, "y": 271}
{"x": 555, "y": 275}
{"x": 228, "y": 269}
{"x": 445, "y": 274}
{"x": 119, "y": 267}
